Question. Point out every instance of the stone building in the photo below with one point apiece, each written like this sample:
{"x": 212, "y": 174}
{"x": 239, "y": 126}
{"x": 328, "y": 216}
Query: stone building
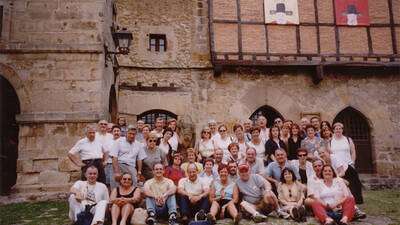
{"x": 192, "y": 60}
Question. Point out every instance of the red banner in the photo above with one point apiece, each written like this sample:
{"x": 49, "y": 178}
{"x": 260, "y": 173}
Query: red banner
{"x": 352, "y": 12}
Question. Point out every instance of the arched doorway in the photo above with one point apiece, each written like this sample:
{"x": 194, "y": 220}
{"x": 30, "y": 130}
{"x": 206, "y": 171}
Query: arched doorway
{"x": 112, "y": 104}
{"x": 270, "y": 113}
{"x": 9, "y": 107}
{"x": 149, "y": 117}
{"x": 357, "y": 127}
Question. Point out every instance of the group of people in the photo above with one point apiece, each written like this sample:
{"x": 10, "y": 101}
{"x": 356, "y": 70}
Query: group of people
{"x": 252, "y": 172}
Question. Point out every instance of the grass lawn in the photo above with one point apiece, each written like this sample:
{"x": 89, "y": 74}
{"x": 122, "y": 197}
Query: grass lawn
{"x": 377, "y": 203}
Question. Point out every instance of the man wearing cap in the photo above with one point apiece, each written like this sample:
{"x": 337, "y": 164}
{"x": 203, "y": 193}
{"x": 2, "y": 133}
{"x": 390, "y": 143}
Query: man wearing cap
{"x": 89, "y": 151}
{"x": 193, "y": 194}
{"x": 257, "y": 198}
{"x": 126, "y": 154}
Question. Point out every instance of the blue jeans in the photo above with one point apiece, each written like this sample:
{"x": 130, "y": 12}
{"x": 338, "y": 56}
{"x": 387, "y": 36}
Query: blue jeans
{"x": 161, "y": 211}
{"x": 188, "y": 209}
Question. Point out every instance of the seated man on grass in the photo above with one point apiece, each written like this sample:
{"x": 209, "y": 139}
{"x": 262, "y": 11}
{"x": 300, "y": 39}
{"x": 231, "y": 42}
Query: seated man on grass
{"x": 89, "y": 193}
{"x": 257, "y": 198}
{"x": 160, "y": 197}
{"x": 193, "y": 194}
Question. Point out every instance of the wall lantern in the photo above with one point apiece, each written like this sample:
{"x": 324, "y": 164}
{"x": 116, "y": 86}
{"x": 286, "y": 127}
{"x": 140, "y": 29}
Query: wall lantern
{"x": 122, "y": 39}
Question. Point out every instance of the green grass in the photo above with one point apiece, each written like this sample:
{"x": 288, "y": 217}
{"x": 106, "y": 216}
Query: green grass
{"x": 383, "y": 203}
{"x": 39, "y": 213}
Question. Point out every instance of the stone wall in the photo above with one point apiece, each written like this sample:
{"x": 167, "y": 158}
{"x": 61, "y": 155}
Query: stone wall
{"x": 233, "y": 96}
{"x": 52, "y": 52}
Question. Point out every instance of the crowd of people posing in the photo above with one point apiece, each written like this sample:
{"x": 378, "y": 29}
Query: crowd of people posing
{"x": 287, "y": 170}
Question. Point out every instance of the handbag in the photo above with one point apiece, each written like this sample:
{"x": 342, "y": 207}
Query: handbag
{"x": 198, "y": 221}
{"x": 85, "y": 217}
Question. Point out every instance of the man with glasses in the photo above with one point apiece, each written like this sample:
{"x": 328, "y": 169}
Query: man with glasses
{"x": 247, "y": 124}
{"x": 160, "y": 197}
{"x": 89, "y": 151}
{"x": 257, "y": 198}
{"x": 303, "y": 167}
{"x": 127, "y": 155}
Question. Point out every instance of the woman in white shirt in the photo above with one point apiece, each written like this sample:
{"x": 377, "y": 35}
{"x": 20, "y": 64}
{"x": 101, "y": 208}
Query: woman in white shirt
{"x": 344, "y": 157}
{"x": 256, "y": 142}
{"x": 205, "y": 146}
{"x": 331, "y": 195}
{"x": 223, "y": 140}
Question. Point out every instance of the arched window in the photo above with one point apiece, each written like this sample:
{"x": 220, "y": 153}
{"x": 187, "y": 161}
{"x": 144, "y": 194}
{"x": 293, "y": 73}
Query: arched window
{"x": 149, "y": 117}
{"x": 270, "y": 113}
{"x": 9, "y": 107}
{"x": 356, "y": 126}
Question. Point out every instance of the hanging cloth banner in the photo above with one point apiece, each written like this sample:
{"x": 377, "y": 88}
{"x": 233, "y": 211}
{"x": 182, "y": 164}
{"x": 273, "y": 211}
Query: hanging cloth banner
{"x": 352, "y": 12}
{"x": 281, "y": 12}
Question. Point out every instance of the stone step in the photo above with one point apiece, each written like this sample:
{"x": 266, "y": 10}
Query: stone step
{"x": 375, "y": 181}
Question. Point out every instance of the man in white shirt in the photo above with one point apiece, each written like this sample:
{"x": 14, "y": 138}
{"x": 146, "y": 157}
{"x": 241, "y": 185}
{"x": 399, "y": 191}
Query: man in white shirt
{"x": 126, "y": 154}
{"x": 90, "y": 194}
{"x": 106, "y": 139}
{"x": 212, "y": 124}
{"x": 89, "y": 151}
{"x": 193, "y": 194}
{"x": 264, "y": 132}
{"x": 160, "y": 196}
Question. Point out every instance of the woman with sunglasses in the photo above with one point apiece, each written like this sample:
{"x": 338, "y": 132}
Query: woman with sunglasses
{"x": 205, "y": 146}
{"x": 330, "y": 196}
{"x": 222, "y": 140}
{"x": 123, "y": 199}
{"x": 303, "y": 166}
{"x": 154, "y": 155}
{"x": 291, "y": 196}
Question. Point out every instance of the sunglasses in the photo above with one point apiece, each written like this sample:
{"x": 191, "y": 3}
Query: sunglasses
{"x": 126, "y": 179}
{"x": 302, "y": 155}
{"x": 222, "y": 130}
{"x": 278, "y": 121}
{"x": 290, "y": 193}
{"x": 103, "y": 124}
{"x": 152, "y": 141}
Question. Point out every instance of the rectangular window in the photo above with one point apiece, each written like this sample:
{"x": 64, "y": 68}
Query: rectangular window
{"x": 157, "y": 42}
